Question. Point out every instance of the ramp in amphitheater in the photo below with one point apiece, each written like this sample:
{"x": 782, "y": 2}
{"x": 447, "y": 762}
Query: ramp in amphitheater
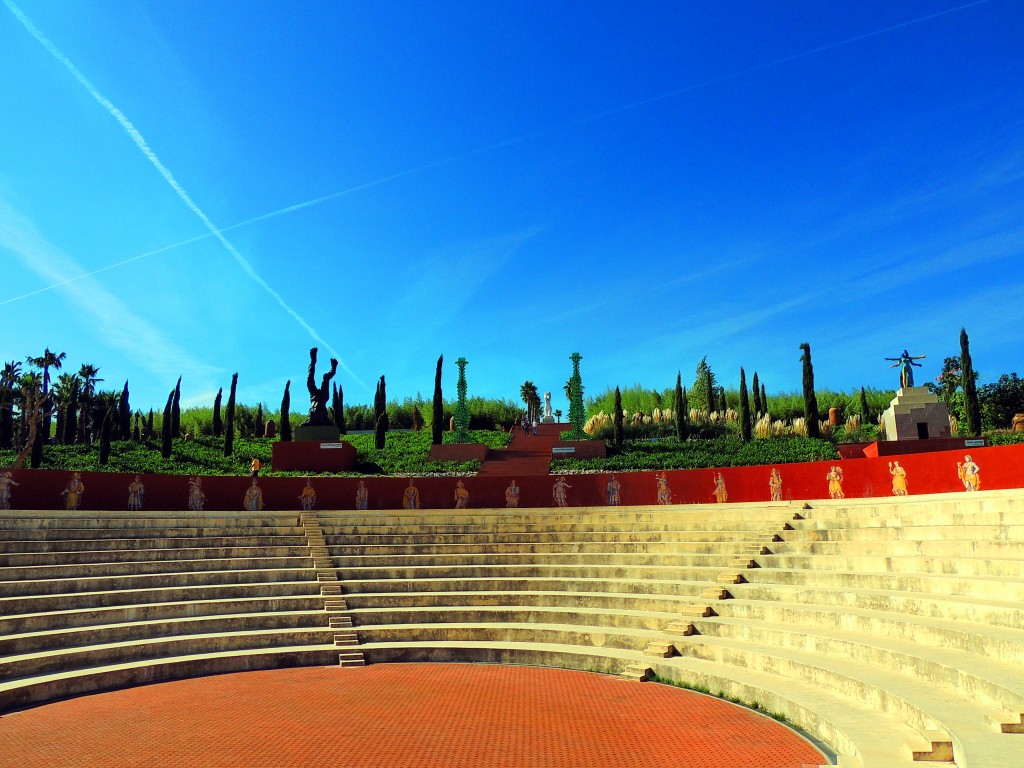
{"x": 890, "y": 629}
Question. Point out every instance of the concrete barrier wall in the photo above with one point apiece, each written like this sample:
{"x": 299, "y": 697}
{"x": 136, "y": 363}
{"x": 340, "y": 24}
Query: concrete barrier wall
{"x": 1000, "y": 467}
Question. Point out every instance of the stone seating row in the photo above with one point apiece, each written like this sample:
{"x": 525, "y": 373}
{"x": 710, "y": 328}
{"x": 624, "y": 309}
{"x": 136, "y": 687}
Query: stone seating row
{"x": 91, "y": 601}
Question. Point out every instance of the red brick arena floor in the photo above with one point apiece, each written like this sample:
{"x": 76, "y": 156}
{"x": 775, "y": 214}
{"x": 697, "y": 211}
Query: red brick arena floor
{"x": 408, "y": 715}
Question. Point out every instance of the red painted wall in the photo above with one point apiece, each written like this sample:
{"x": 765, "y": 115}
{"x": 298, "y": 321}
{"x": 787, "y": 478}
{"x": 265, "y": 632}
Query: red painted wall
{"x": 1001, "y": 467}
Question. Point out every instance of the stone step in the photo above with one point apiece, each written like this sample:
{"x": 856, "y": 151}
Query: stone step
{"x": 11, "y": 559}
{"x": 527, "y": 570}
{"x": 1007, "y": 568}
{"x": 43, "y": 545}
{"x": 68, "y": 586}
{"x": 610, "y": 603}
{"x": 605, "y": 637}
{"x": 482, "y": 558}
{"x": 487, "y": 538}
{"x": 637, "y": 672}
{"x": 346, "y": 638}
{"x": 351, "y": 659}
{"x": 663, "y": 649}
{"x": 83, "y": 571}
{"x": 340, "y": 622}
{"x": 649, "y": 586}
{"x": 569, "y": 614}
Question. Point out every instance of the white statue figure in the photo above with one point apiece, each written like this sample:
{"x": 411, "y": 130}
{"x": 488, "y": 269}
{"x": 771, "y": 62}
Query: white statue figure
{"x": 548, "y": 418}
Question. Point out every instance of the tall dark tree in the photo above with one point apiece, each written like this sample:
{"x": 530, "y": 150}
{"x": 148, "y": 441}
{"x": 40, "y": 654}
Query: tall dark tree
{"x": 744, "y": 407}
{"x": 9, "y": 392}
{"x": 723, "y": 406}
{"x": 218, "y": 425}
{"x": 437, "y": 425}
{"x": 810, "y": 399}
{"x": 755, "y": 389}
{"x": 338, "y": 407}
{"x": 229, "y": 419}
{"x": 380, "y": 414}
{"x": 106, "y": 430}
{"x": 764, "y": 398}
{"x": 258, "y": 427}
{"x": 87, "y": 373}
{"x": 167, "y": 430}
{"x": 680, "y": 413}
{"x": 685, "y": 408}
{"x": 705, "y": 386}
{"x": 137, "y": 432}
{"x": 286, "y": 418}
{"x": 176, "y": 410}
{"x": 124, "y": 416}
{"x": 972, "y": 408}
{"x": 149, "y": 425}
{"x": 617, "y": 419}
{"x": 46, "y": 361}
{"x": 70, "y": 388}
{"x": 864, "y": 411}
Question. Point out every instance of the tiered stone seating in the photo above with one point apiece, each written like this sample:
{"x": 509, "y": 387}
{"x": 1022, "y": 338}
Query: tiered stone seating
{"x": 892, "y": 629}
{"x": 583, "y": 588}
{"x": 91, "y": 601}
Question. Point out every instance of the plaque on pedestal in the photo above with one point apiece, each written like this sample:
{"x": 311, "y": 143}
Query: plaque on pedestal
{"x": 305, "y": 433}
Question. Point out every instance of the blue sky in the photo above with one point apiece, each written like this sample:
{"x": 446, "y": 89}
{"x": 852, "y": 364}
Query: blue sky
{"x": 645, "y": 183}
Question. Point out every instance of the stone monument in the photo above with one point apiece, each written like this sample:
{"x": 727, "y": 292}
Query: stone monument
{"x": 548, "y": 418}
{"x": 915, "y": 413}
{"x": 318, "y": 427}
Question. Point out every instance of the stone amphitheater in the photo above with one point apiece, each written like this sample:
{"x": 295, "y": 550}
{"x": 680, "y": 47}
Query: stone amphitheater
{"x": 890, "y": 629}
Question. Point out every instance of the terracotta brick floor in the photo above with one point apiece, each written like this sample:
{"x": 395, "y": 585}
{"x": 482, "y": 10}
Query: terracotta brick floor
{"x": 409, "y": 715}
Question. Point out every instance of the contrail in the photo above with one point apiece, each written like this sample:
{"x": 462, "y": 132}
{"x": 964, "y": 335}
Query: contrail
{"x": 144, "y": 147}
{"x": 521, "y": 139}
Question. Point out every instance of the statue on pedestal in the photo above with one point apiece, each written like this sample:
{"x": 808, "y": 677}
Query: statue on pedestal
{"x": 318, "y": 396}
{"x": 906, "y": 364}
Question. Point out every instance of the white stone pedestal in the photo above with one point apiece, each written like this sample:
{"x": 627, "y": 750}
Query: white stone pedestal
{"x": 916, "y": 414}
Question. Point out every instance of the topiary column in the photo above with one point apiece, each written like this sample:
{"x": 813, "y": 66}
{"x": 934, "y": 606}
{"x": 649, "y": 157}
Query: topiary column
{"x": 810, "y": 400}
{"x": 577, "y": 415}
{"x": 461, "y": 409}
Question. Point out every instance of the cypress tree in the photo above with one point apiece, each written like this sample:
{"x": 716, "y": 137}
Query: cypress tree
{"x": 229, "y": 428}
{"x": 617, "y": 419}
{"x": 437, "y": 425}
{"x": 680, "y": 415}
{"x": 286, "y": 421}
{"x": 149, "y": 425}
{"x": 339, "y": 415}
{"x": 810, "y": 400}
{"x": 756, "y": 389}
{"x": 972, "y": 407}
{"x": 864, "y": 413}
{"x": 380, "y": 415}
{"x": 218, "y": 425}
{"x": 685, "y": 408}
{"x": 124, "y": 413}
{"x": 137, "y": 432}
{"x": 105, "y": 432}
{"x": 709, "y": 389}
{"x": 744, "y": 407}
{"x": 167, "y": 430}
{"x": 258, "y": 426}
{"x": 176, "y": 410}
{"x": 764, "y": 398}
{"x": 723, "y": 406}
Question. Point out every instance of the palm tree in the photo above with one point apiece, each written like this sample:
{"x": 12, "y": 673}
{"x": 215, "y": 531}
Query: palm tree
{"x": 528, "y": 393}
{"x": 87, "y": 373}
{"x": 65, "y": 395}
{"x": 46, "y": 361}
{"x": 10, "y": 391}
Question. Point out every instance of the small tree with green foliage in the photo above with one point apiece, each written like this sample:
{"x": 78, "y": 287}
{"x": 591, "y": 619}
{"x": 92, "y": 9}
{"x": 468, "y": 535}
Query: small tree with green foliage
{"x": 218, "y": 425}
{"x": 380, "y": 415}
{"x": 258, "y": 426}
{"x": 865, "y": 412}
{"x": 764, "y": 398}
{"x": 166, "y": 430}
{"x": 810, "y": 400}
{"x": 972, "y": 408}
{"x": 437, "y": 415}
{"x": 617, "y": 419}
{"x": 705, "y": 386}
{"x": 176, "y": 410}
{"x": 124, "y": 413}
{"x": 461, "y": 409}
{"x": 744, "y": 407}
{"x": 755, "y": 389}
{"x": 680, "y": 409}
{"x": 1001, "y": 400}
{"x": 286, "y": 417}
{"x": 577, "y": 414}
{"x": 229, "y": 419}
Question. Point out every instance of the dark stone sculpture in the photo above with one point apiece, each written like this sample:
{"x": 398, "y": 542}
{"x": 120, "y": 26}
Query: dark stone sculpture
{"x": 318, "y": 396}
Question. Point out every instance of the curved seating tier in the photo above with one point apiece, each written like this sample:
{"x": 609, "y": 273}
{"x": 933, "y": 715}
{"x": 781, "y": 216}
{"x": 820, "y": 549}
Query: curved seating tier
{"x": 94, "y": 600}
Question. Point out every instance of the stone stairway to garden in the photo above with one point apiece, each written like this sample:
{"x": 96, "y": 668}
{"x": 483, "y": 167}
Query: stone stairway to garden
{"x": 526, "y": 455}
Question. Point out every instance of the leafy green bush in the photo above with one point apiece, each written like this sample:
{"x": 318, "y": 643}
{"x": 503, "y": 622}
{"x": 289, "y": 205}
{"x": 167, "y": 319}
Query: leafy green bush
{"x": 699, "y": 454}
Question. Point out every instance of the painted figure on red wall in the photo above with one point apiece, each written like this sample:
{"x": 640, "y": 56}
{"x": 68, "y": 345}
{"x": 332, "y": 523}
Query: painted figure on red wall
{"x": 835, "y": 483}
{"x": 74, "y": 492}
{"x": 512, "y": 496}
{"x": 558, "y": 492}
{"x": 969, "y": 474}
{"x": 721, "y": 493}
{"x": 253, "y": 501}
{"x": 775, "y": 485}
{"x": 461, "y": 495}
{"x": 362, "y": 496}
{"x": 899, "y": 479}
{"x": 307, "y": 497}
{"x": 664, "y": 493}
{"x": 136, "y": 494}
{"x": 6, "y": 481}
{"x": 613, "y": 490}
{"x": 196, "y": 497}
{"x": 411, "y": 497}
